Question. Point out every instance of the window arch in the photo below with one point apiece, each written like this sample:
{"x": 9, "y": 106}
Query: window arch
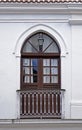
{"x": 32, "y": 44}
{"x": 40, "y": 77}
{"x": 40, "y": 60}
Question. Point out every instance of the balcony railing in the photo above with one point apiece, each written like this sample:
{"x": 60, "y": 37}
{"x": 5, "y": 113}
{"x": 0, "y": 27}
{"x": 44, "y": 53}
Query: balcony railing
{"x": 41, "y": 103}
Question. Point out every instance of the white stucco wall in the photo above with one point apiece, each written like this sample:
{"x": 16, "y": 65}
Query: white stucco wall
{"x": 14, "y": 29}
{"x": 76, "y": 103}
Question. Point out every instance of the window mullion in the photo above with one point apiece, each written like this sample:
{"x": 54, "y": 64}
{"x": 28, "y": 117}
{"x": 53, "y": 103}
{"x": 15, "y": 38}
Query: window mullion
{"x": 50, "y": 70}
{"x": 40, "y": 73}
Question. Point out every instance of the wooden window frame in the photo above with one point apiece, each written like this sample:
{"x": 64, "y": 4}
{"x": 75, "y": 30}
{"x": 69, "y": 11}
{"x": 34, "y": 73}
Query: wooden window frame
{"x": 49, "y": 56}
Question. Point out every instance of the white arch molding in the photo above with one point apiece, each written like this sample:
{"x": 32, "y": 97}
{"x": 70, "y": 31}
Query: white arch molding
{"x": 36, "y": 28}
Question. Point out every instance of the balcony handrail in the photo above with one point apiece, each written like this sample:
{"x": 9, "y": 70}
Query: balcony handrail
{"x": 45, "y": 89}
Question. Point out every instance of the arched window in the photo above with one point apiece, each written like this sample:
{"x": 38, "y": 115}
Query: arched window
{"x": 40, "y": 62}
{"x": 40, "y": 77}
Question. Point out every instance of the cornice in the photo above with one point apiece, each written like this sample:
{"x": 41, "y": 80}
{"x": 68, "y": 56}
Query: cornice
{"x": 40, "y": 8}
{"x": 27, "y": 20}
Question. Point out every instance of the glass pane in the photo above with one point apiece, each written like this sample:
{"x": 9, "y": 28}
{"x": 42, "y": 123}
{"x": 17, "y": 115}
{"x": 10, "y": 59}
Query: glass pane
{"x": 47, "y": 41}
{"x": 34, "y": 70}
{"x": 26, "y": 79}
{"x": 54, "y": 79}
{"x": 29, "y": 48}
{"x": 54, "y": 70}
{"x": 26, "y": 62}
{"x": 54, "y": 62}
{"x": 46, "y": 79}
{"x": 46, "y": 70}
{"x": 52, "y": 48}
{"x": 26, "y": 70}
{"x": 34, "y": 42}
{"x": 46, "y": 62}
{"x": 34, "y": 64}
{"x": 34, "y": 79}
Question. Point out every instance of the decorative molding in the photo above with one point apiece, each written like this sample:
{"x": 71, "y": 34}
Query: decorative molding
{"x": 76, "y": 103}
{"x": 45, "y": 20}
{"x": 40, "y": 121}
{"x": 40, "y": 8}
{"x": 43, "y": 27}
{"x": 75, "y": 21}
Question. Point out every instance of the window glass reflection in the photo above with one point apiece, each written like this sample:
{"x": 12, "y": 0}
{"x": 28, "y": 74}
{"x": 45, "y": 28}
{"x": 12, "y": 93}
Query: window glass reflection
{"x": 54, "y": 70}
{"x": 34, "y": 70}
{"x": 54, "y": 62}
{"x": 26, "y": 62}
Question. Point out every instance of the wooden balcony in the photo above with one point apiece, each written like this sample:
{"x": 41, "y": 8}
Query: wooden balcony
{"x": 42, "y": 103}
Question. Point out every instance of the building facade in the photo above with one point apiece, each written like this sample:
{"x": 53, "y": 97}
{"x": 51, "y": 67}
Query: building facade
{"x": 40, "y": 54}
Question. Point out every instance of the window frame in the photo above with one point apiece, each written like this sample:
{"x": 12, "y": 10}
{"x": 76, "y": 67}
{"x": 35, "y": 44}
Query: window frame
{"x": 41, "y": 55}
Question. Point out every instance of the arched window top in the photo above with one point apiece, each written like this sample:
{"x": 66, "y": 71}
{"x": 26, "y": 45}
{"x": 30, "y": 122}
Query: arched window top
{"x": 40, "y": 43}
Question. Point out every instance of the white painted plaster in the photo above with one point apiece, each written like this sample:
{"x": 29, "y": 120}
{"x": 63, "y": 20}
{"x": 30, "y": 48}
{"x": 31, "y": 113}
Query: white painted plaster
{"x": 14, "y": 31}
